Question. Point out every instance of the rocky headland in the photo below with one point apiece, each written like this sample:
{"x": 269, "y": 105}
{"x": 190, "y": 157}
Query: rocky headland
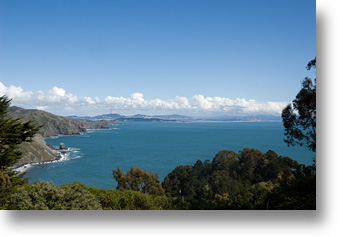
{"x": 38, "y": 151}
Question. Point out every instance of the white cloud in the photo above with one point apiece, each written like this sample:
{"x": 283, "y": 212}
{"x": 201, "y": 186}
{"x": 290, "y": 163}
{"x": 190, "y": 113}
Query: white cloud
{"x": 89, "y": 100}
{"x": 57, "y": 91}
{"x": 42, "y": 107}
{"x": 15, "y": 92}
{"x": 58, "y": 100}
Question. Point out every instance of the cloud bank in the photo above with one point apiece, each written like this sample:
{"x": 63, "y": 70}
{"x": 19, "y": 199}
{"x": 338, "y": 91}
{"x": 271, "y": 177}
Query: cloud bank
{"x": 57, "y": 100}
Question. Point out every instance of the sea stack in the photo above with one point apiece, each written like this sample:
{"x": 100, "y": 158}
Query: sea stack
{"x": 62, "y": 146}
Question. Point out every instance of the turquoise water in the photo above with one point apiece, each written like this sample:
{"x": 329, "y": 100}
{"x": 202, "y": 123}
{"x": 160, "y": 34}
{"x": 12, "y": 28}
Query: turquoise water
{"x": 157, "y": 147}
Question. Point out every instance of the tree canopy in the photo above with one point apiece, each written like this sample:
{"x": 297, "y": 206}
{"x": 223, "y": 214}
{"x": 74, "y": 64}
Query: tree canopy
{"x": 299, "y": 118}
{"x": 138, "y": 180}
{"x": 249, "y": 179}
{"x": 46, "y": 196}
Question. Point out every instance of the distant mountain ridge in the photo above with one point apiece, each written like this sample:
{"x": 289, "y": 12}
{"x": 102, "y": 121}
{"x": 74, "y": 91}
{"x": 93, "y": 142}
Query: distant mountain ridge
{"x": 177, "y": 118}
{"x": 135, "y": 118}
{"x": 250, "y": 118}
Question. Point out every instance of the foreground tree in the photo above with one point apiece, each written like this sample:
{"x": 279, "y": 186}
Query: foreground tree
{"x": 46, "y": 196}
{"x": 299, "y": 118}
{"x": 12, "y": 133}
{"x": 246, "y": 180}
{"x": 131, "y": 200}
{"x": 138, "y": 180}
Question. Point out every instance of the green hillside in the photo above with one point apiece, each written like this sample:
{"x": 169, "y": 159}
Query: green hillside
{"x": 54, "y": 125}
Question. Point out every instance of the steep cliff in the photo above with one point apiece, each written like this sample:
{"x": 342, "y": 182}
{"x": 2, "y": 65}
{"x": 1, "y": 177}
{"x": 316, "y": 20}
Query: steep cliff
{"x": 36, "y": 151}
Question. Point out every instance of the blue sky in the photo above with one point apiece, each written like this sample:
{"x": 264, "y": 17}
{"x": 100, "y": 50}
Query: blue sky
{"x": 146, "y": 55}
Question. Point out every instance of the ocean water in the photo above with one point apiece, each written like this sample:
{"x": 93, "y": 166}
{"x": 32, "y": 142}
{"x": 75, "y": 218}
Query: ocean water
{"x": 157, "y": 147}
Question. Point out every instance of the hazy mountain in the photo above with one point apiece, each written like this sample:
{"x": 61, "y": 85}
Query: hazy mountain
{"x": 176, "y": 118}
{"x": 251, "y": 118}
{"x": 136, "y": 118}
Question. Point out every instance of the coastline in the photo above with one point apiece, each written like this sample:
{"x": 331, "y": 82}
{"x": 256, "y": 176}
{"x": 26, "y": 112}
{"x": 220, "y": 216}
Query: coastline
{"x": 23, "y": 168}
{"x": 62, "y": 154}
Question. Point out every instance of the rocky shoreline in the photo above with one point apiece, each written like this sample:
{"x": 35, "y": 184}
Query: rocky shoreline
{"x": 39, "y": 152}
{"x": 27, "y": 160}
{"x": 36, "y": 151}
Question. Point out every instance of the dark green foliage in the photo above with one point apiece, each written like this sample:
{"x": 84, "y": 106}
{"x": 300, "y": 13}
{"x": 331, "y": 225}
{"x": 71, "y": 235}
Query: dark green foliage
{"x": 12, "y": 133}
{"x": 131, "y": 200}
{"x": 299, "y": 118}
{"x": 183, "y": 182}
{"x": 273, "y": 166}
{"x": 137, "y": 180}
{"x": 225, "y": 160}
{"x": 299, "y": 194}
{"x": 46, "y": 196}
{"x": 250, "y": 164}
{"x": 11, "y": 180}
{"x": 246, "y": 180}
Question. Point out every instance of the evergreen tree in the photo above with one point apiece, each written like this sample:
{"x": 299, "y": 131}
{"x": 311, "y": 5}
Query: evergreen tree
{"x": 12, "y": 133}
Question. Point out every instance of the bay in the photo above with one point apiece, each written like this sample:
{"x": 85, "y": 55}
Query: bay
{"x": 157, "y": 147}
